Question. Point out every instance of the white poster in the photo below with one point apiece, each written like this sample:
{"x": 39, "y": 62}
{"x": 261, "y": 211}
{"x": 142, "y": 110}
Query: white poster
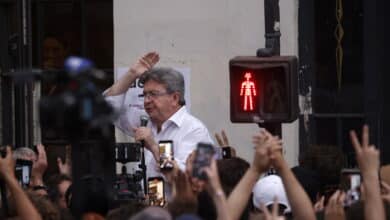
{"x": 132, "y": 95}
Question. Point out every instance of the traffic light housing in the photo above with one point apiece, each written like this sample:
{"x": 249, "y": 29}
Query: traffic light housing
{"x": 263, "y": 89}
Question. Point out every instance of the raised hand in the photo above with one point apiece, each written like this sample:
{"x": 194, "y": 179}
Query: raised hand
{"x": 7, "y": 165}
{"x": 334, "y": 209}
{"x": 145, "y": 63}
{"x": 213, "y": 182}
{"x": 183, "y": 187}
{"x": 65, "y": 167}
{"x": 39, "y": 166}
{"x": 367, "y": 155}
{"x": 265, "y": 144}
{"x": 224, "y": 142}
{"x": 319, "y": 205}
{"x": 170, "y": 175}
{"x": 385, "y": 192}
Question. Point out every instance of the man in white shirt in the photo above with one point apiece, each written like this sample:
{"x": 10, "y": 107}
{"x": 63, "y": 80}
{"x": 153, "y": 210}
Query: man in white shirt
{"x": 164, "y": 103}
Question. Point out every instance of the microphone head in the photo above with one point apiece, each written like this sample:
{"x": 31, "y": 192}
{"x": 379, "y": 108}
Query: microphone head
{"x": 144, "y": 120}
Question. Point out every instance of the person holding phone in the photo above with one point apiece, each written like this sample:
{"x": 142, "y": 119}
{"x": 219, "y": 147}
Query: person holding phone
{"x": 164, "y": 103}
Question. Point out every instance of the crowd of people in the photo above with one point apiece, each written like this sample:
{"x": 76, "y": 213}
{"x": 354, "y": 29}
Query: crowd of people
{"x": 233, "y": 188}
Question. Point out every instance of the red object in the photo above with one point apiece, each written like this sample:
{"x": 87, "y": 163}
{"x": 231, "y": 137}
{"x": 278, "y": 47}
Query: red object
{"x": 263, "y": 89}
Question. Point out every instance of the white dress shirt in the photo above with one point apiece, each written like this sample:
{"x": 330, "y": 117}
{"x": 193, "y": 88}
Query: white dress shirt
{"x": 182, "y": 128}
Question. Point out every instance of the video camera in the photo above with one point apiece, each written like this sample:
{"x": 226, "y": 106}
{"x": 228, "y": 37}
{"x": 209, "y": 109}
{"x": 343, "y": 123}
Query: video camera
{"x": 79, "y": 108}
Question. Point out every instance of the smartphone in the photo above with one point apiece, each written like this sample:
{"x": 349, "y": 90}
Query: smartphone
{"x": 350, "y": 181}
{"x": 203, "y": 155}
{"x": 23, "y": 172}
{"x": 166, "y": 154}
{"x": 226, "y": 152}
{"x": 156, "y": 191}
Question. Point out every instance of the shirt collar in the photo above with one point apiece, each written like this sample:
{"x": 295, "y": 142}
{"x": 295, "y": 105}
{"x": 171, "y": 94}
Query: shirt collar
{"x": 178, "y": 117}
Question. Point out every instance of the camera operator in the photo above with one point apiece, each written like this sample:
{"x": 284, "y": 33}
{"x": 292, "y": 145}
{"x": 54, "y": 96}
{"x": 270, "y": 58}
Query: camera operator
{"x": 164, "y": 103}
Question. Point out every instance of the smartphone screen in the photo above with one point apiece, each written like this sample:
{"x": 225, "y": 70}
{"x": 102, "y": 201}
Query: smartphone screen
{"x": 166, "y": 153}
{"x": 203, "y": 156}
{"x": 23, "y": 172}
{"x": 350, "y": 183}
{"x": 156, "y": 191}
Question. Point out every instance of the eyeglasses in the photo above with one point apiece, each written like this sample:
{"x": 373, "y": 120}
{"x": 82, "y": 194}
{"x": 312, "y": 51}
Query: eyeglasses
{"x": 152, "y": 94}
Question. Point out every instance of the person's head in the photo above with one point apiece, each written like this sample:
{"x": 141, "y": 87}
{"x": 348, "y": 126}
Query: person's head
{"x": 90, "y": 194}
{"x": 179, "y": 207}
{"x": 124, "y": 212}
{"x": 266, "y": 190}
{"x": 326, "y": 160}
{"x": 24, "y": 153}
{"x": 231, "y": 171}
{"x": 54, "y": 52}
{"x": 163, "y": 93}
{"x": 44, "y": 206}
{"x": 152, "y": 213}
{"x": 58, "y": 185}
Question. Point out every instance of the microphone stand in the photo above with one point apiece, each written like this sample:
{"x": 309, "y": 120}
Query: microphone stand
{"x": 143, "y": 167}
{"x": 144, "y": 121}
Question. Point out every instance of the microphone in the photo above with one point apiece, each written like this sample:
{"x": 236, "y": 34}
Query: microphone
{"x": 144, "y": 120}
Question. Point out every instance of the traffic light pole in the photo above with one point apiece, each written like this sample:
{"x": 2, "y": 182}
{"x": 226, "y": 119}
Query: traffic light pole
{"x": 272, "y": 29}
{"x": 275, "y": 128}
{"x": 272, "y": 48}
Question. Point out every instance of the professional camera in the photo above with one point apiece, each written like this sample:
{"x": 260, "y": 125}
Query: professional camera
{"x": 79, "y": 107}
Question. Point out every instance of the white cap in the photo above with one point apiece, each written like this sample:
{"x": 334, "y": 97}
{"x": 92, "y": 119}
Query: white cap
{"x": 266, "y": 189}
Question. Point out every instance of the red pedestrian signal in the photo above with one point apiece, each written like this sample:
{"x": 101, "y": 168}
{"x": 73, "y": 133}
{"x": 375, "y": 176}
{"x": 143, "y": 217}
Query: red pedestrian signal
{"x": 263, "y": 89}
{"x": 248, "y": 91}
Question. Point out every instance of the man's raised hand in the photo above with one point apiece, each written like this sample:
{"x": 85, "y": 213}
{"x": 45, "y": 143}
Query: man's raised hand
{"x": 145, "y": 63}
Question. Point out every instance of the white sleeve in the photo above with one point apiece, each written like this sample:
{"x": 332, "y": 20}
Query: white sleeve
{"x": 129, "y": 117}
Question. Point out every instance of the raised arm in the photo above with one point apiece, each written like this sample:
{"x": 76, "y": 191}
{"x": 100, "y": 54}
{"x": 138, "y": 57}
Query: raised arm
{"x": 39, "y": 167}
{"x": 24, "y": 207}
{"x": 239, "y": 197}
{"x": 214, "y": 188}
{"x": 301, "y": 205}
{"x": 367, "y": 156}
{"x": 143, "y": 64}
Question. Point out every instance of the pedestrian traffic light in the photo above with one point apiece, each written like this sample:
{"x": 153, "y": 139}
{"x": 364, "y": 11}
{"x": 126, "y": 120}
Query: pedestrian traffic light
{"x": 263, "y": 89}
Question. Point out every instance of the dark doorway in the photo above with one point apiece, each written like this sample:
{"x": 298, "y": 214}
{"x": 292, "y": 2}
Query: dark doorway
{"x": 341, "y": 72}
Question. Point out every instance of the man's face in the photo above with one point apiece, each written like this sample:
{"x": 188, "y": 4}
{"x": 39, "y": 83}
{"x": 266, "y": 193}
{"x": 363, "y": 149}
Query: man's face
{"x": 158, "y": 103}
{"x": 53, "y": 53}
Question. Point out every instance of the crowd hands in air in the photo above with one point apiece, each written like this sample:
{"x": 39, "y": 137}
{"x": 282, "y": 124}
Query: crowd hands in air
{"x": 234, "y": 189}
{"x": 189, "y": 192}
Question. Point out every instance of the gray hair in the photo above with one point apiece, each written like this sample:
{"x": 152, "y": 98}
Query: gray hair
{"x": 152, "y": 213}
{"x": 23, "y": 153}
{"x": 173, "y": 80}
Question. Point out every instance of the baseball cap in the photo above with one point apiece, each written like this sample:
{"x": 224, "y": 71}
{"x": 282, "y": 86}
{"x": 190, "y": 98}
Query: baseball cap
{"x": 266, "y": 189}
